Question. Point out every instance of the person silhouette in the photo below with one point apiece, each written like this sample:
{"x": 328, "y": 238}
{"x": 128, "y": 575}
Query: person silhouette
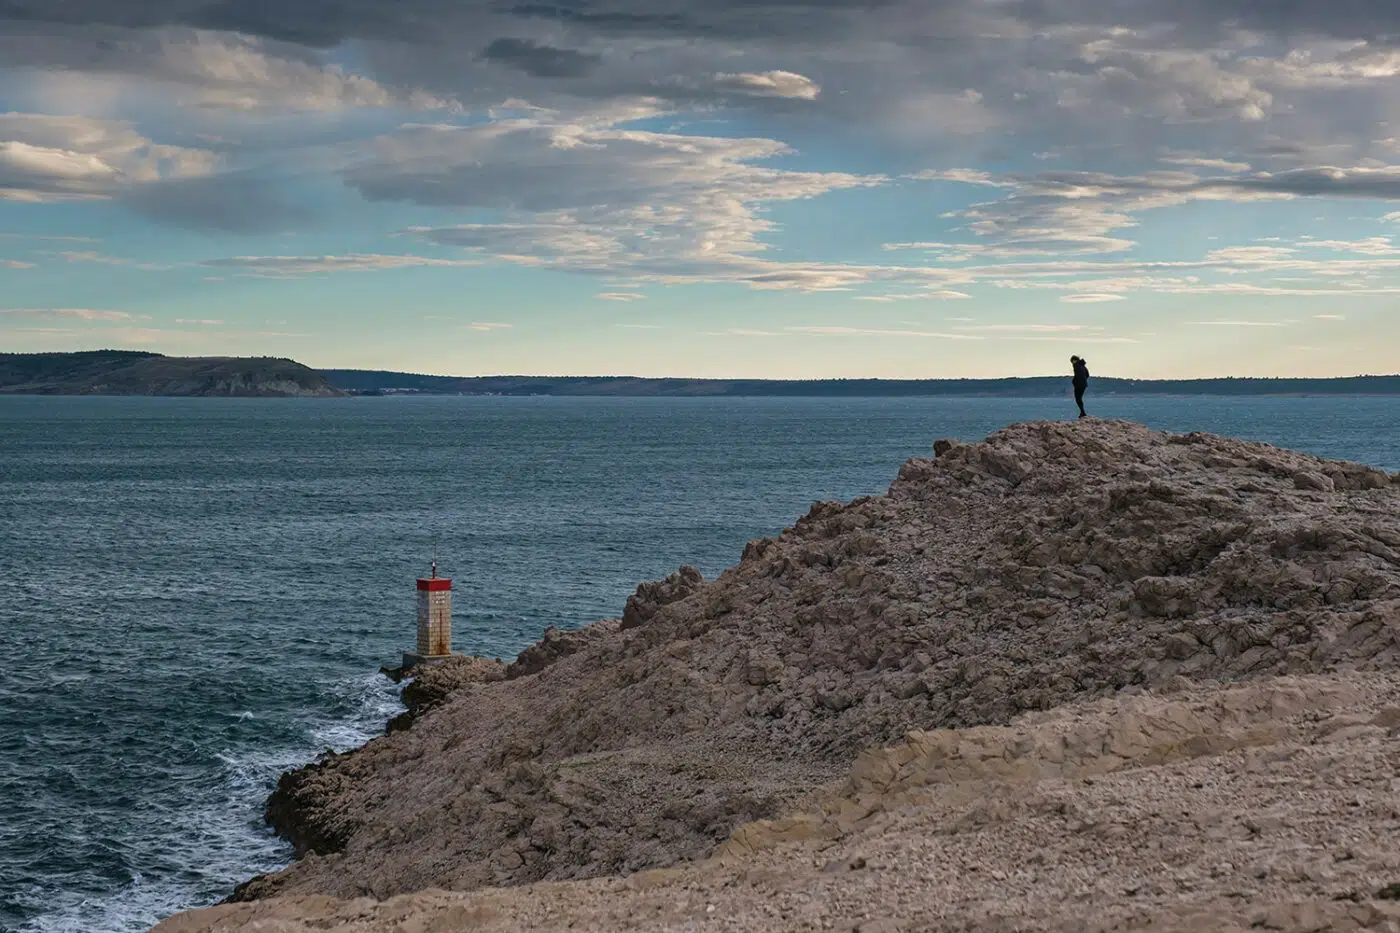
{"x": 1081, "y": 381}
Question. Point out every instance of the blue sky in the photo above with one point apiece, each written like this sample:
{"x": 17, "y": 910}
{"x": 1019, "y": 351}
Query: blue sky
{"x": 735, "y": 188}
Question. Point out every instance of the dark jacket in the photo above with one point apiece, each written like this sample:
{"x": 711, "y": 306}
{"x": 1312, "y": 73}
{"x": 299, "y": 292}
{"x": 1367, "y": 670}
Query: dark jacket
{"x": 1081, "y": 373}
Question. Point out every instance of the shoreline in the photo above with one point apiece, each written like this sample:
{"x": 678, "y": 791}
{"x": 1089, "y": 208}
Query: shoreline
{"x": 723, "y": 702}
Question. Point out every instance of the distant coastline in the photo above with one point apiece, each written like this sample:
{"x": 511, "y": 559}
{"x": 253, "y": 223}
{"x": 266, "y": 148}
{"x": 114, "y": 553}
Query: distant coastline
{"x": 136, "y": 372}
{"x": 376, "y": 382}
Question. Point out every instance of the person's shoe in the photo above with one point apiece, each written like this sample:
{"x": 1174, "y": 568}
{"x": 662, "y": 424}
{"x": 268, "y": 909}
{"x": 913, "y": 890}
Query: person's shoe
{"x": 1083, "y": 414}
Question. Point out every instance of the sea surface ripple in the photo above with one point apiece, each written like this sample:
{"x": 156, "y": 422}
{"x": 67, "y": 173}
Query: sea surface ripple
{"x": 195, "y": 595}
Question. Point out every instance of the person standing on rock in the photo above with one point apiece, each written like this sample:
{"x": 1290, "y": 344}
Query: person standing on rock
{"x": 1081, "y": 381}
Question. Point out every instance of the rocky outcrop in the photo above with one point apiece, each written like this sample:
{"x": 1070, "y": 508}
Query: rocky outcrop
{"x": 1048, "y": 564}
{"x": 651, "y": 598}
{"x": 558, "y": 643}
{"x": 1269, "y": 805}
{"x": 430, "y": 684}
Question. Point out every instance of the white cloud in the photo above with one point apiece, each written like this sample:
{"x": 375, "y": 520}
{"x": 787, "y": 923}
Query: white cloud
{"x": 292, "y": 266}
{"x": 41, "y": 238}
{"x": 588, "y": 196}
{"x": 1242, "y": 323}
{"x": 1032, "y": 328}
{"x": 769, "y": 84}
{"x": 50, "y": 158}
{"x": 841, "y": 331}
{"x": 1220, "y": 165}
{"x": 15, "y": 264}
{"x": 1246, "y": 254}
{"x": 76, "y": 314}
{"x": 1368, "y": 246}
{"x": 620, "y": 296}
{"x": 1092, "y": 297}
{"x": 486, "y": 326}
{"x": 93, "y": 256}
{"x": 967, "y": 176}
{"x": 202, "y": 322}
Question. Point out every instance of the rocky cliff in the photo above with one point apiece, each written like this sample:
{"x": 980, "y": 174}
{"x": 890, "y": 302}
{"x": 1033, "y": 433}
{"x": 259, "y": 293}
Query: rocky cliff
{"x": 1048, "y": 566}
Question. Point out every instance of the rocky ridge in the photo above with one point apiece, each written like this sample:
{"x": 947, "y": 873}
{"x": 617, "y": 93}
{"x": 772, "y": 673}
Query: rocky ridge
{"x": 1049, "y": 564}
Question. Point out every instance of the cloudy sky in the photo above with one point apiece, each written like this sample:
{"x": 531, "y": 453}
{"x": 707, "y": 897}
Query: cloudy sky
{"x": 784, "y": 188}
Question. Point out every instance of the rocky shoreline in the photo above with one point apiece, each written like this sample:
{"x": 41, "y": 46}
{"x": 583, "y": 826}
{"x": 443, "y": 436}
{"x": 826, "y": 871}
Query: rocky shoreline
{"x": 1083, "y": 574}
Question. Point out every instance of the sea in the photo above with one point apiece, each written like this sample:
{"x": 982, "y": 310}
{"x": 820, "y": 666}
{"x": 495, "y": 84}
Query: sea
{"x": 197, "y": 594}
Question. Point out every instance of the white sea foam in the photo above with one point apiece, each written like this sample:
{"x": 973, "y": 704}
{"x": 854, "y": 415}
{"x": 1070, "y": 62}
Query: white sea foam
{"x": 220, "y": 840}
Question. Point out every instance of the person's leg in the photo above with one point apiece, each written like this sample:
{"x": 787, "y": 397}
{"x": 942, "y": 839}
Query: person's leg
{"x": 1079, "y": 399}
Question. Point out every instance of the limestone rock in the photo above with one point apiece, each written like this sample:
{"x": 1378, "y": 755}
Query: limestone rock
{"x": 429, "y": 684}
{"x": 433, "y": 683}
{"x": 1049, "y": 564}
{"x": 1215, "y": 808}
{"x": 650, "y": 598}
{"x": 554, "y": 644}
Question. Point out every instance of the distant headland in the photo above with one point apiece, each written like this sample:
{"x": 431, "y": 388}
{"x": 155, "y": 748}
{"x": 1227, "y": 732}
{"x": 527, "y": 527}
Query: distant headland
{"x": 136, "y": 372}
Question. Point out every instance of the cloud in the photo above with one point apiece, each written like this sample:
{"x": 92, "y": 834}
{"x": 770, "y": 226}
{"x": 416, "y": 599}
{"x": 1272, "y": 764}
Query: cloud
{"x": 1368, "y": 246}
{"x": 41, "y": 238}
{"x": 1031, "y": 328}
{"x": 538, "y": 59}
{"x": 1245, "y": 254}
{"x": 769, "y": 84}
{"x": 1092, "y": 297}
{"x": 201, "y": 69}
{"x": 594, "y": 197}
{"x": 243, "y": 202}
{"x": 293, "y": 266}
{"x": 101, "y": 259}
{"x": 1221, "y": 165}
{"x": 76, "y": 314}
{"x": 842, "y": 331}
{"x": 54, "y": 158}
{"x": 202, "y": 322}
{"x": 1242, "y": 323}
{"x": 967, "y": 176}
{"x": 544, "y": 148}
{"x": 486, "y": 326}
{"x": 1080, "y": 212}
{"x": 329, "y": 22}
{"x": 15, "y": 264}
{"x": 620, "y": 296}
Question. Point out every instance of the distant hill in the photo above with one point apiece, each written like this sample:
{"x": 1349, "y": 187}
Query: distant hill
{"x": 135, "y": 372}
{"x": 375, "y": 382}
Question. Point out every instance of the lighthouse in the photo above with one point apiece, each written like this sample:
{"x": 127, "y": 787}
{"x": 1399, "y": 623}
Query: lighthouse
{"x": 434, "y": 621}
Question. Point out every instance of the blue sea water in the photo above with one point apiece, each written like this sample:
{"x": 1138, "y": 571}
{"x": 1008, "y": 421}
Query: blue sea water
{"x": 196, "y": 595}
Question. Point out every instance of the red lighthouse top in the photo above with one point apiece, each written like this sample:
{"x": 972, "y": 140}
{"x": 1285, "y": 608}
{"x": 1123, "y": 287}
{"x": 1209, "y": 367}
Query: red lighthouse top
{"x": 434, "y": 583}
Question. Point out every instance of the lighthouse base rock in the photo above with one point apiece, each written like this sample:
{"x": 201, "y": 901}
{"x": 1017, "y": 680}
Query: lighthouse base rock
{"x": 1079, "y": 676}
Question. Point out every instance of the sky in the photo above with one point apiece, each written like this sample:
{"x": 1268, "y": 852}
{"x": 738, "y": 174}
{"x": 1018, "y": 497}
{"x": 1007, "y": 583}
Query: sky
{"x": 709, "y": 188}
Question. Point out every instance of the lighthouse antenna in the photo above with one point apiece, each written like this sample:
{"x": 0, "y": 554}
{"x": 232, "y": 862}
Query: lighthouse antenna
{"x": 435, "y": 552}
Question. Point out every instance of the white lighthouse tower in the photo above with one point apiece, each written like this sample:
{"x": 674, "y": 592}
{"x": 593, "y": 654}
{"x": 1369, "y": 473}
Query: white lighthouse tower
{"x": 434, "y": 621}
